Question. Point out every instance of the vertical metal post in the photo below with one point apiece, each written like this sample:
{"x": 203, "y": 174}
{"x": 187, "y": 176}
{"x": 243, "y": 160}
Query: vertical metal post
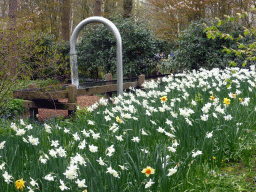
{"x": 73, "y": 53}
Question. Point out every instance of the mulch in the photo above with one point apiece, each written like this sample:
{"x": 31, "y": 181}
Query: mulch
{"x": 82, "y": 101}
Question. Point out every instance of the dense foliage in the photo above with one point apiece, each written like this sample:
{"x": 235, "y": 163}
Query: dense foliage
{"x": 97, "y": 49}
{"x": 195, "y": 50}
{"x": 245, "y": 50}
{"x": 45, "y": 57}
{"x": 32, "y": 55}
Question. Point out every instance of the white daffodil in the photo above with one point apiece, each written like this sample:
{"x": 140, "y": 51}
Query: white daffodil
{"x": 149, "y": 183}
{"x": 136, "y": 139}
{"x": 81, "y": 183}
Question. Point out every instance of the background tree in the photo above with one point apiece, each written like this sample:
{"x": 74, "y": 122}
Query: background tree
{"x": 12, "y": 36}
{"x": 97, "y": 7}
{"x": 245, "y": 50}
{"x": 196, "y": 50}
{"x": 170, "y": 17}
{"x": 127, "y": 7}
{"x": 3, "y": 8}
{"x": 65, "y": 20}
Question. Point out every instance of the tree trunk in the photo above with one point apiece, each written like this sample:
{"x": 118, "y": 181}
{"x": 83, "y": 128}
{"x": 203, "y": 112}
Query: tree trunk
{"x": 97, "y": 8}
{"x": 108, "y": 8}
{"x": 223, "y": 8}
{"x": 127, "y": 7}
{"x": 12, "y": 36}
{"x": 65, "y": 20}
{"x": 3, "y": 8}
{"x": 85, "y": 9}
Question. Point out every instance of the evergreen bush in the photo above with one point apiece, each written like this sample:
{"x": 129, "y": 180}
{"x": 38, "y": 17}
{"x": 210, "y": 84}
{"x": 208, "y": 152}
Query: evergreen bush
{"x": 45, "y": 57}
{"x": 195, "y": 50}
{"x": 97, "y": 49}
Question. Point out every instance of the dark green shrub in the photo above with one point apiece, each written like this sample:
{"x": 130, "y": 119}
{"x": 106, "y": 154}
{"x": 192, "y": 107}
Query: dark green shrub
{"x": 195, "y": 50}
{"x": 44, "y": 56}
{"x": 13, "y": 108}
{"x": 97, "y": 49}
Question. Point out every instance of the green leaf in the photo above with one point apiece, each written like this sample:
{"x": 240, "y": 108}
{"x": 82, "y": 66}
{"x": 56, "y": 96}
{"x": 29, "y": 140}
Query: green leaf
{"x": 241, "y": 46}
{"x": 227, "y": 36}
{"x": 228, "y": 80}
{"x": 209, "y": 35}
{"x": 245, "y": 62}
{"x": 238, "y": 53}
{"x": 206, "y": 29}
{"x": 240, "y": 37}
{"x": 232, "y": 19}
{"x": 246, "y": 32}
{"x": 252, "y": 46}
{"x": 228, "y": 18}
{"x": 228, "y": 51}
{"x": 220, "y": 23}
{"x": 213, "y": 28}
{"x": 233, "y": 63}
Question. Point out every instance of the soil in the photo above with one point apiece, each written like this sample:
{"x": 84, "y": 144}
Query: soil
{"x": 82, "y": 101}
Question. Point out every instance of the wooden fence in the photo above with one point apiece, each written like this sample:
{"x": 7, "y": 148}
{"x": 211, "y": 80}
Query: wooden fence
{"x": 48, "y": 97}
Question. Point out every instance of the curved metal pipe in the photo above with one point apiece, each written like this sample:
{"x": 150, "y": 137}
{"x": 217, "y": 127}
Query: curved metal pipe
{"x": 73, "y": 52}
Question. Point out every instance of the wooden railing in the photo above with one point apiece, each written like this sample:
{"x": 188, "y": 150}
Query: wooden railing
{"x": 48, "y": 97}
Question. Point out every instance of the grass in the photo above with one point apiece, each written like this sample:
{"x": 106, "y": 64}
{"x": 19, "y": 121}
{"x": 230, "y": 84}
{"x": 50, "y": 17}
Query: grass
{"x": 194, "y": 132}
{"x": 243, "y": 175}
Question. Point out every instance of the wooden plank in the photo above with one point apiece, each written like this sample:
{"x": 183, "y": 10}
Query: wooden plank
{"x": 141, "y": 80}
{"x": 66, "y": 106}
{"x": 29, "y": 104}
{"x": 130, "y": 84}
{"x": 104, "y": 88}
{"x": 30, "y": 95}
{"x": 49, "y": 105}
{"x": 108, "y": 77}
{"x": 72, "y": 94}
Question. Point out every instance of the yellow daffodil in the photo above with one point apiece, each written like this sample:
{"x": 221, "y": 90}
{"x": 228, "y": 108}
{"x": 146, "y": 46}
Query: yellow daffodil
{"x": 211, "y": 97}
{"x": 118, "y": 119}
{"x": 148, "y": 171}
{"x": 226, "y": 101}
{"x": 163, "y": 99}
{"x": 240, "y": 99}
{"x": 19, "y": 184}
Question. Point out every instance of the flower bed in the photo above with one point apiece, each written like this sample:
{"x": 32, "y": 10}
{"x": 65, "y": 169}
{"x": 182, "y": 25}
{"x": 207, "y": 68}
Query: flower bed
{"x": 171, "y": 137}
